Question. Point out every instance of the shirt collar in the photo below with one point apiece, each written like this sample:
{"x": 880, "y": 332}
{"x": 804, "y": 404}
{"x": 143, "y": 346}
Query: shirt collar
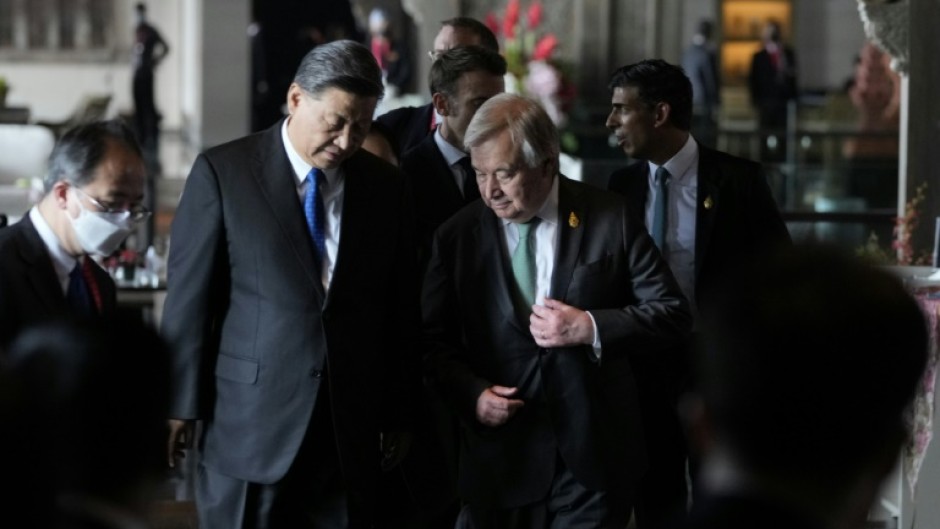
{"x": 300, "y": 167}
{"x": 679, "y": 165}
{"x": 549, "y": 210}
{"x": 451, "y": 154}
{"x": 61, "y": 260}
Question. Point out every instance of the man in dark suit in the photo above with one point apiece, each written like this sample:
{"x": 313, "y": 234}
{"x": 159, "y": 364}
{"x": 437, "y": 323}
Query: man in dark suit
{"x": 706, "y": 210}
{"x": 407, "y": 126}
{"x": 461, "y": 80}
{"x": 772, "y": 85}
{"x": 536, "y": 300}
{"x": 809, "y": 362}
{"x": 290, "y": 342}
{"x": 94, "y": 189}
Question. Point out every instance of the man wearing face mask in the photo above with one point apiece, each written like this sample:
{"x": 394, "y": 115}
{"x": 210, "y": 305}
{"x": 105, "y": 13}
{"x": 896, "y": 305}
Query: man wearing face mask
{"x": 93, "y": 194}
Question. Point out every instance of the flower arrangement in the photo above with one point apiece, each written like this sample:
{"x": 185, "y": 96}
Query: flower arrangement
{"x": 902, "y": 245}
{"x": 530, "y": 58}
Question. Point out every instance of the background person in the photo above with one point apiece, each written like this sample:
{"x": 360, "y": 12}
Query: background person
{"x": 409, "y": 125}
{"x": 94, "y": 190}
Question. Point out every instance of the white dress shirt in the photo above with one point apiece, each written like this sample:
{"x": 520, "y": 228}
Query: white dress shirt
{"x": 331, "y": 192}
{"x": 681, "y": 207}
{"x": 546, "y": 244}
{"x": 62, "y": 262}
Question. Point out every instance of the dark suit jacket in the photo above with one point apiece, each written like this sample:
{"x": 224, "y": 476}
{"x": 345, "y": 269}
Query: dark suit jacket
{"x": 255, "y": 337}
{"x": 771, "y": 89}
{"x": 736, "y": 216}
{"x": 575, "y": 405}
{"x": 744, "y": 512}
{"x": 30, "y": 292}
{"x": 407, "y": 126}
{"x": 437, "y": 196}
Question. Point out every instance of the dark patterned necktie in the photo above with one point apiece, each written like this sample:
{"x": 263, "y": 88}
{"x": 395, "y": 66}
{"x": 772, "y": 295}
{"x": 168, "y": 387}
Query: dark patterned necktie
{"x": 471, "y": 191}
{"x": 77, "y": 294}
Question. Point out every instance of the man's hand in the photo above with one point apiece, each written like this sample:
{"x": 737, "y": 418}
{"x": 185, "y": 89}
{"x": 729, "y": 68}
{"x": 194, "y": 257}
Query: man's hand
{"x": 181, "y": 436}
{"x": 395, "y": 446}
{"x": 495, "y": 407}
{"x": 555, "y": 324}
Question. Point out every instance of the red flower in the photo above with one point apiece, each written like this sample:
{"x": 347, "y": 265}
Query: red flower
{"x": 512, "y": 17}
{"x": 535, "y": 14}
{"x": 492, "y": 23}
{"x": 545, "y": 47}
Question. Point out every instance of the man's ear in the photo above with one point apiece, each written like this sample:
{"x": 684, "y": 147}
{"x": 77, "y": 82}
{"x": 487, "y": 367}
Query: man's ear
{"x": 661, "y": 113}
{"x": 439, "y": 100}
{"x": 59, "y": 193}
{"x": 294, "y": 93}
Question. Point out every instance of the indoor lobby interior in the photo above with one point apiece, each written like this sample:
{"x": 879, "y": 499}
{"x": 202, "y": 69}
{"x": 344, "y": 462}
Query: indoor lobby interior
{"x": 854, "y": 164}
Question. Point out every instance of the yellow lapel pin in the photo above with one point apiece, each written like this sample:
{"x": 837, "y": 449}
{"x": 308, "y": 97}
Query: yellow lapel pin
{"x": 573, "y": 220}
{"x": 708, "y": 203}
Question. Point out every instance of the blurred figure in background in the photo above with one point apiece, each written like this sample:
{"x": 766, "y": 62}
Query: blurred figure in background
{"x": 808, "y": 363}
{"x": 149, "y": 49}
{"x": 700, "y": 63}
{"x": 772, "y": 85}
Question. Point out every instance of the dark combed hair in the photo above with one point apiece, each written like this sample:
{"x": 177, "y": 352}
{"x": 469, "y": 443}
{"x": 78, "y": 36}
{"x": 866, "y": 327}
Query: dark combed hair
{"x": 343, "y": 64}
{"x": 487, "y": 38}
{"x": 657, "y": 81}
{"x": 809, "y": 359}
{"x": 82, "y": 148}
{"x": 447, "y": 69}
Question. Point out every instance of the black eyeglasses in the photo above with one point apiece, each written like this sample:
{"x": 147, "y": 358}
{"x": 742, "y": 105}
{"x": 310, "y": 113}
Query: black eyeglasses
{"x": 137, "y": 211}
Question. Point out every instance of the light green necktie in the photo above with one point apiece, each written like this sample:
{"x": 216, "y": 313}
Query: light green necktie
{"x": 523, "y": 263}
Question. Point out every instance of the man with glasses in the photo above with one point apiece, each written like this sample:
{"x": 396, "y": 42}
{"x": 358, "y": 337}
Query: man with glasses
{"x": 94, "y": 189}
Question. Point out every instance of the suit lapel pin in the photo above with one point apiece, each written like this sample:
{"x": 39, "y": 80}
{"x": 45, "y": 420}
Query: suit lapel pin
{"x": 708, "y": 202}
{"x": 573, "y": 220}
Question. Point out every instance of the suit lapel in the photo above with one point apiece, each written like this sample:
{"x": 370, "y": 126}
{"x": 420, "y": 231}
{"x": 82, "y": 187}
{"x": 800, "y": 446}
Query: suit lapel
{"x": 275, "y": 178}
{"x": 441, "y": 176}
{"x": 493, "y": 256}
{"x": 707, "y": 204}
{"x": 638, "y": 188}
{"x": 39, "y": 271}
{"x": 571, "y": 216}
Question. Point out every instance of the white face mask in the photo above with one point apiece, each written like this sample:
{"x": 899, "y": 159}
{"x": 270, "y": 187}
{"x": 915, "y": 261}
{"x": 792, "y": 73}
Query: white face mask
{"x": 101, "y": 233}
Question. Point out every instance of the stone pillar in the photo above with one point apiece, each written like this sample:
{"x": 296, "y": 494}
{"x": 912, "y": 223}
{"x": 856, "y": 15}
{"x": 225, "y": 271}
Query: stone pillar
{"x": 922, "y": 123}
{"x": 427, "y": 16}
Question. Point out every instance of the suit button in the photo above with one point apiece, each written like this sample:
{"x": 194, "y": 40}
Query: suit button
{"x": 316, "y": 373}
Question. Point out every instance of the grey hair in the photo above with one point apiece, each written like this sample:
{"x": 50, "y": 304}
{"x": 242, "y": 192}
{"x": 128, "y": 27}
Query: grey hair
{"x": 530, "y": 129}
{"x": 343, "y": 64}
{"x": 80, "y": 151}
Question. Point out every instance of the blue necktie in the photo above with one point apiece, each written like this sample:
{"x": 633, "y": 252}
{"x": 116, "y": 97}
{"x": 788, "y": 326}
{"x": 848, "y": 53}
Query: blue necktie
{"x": 313, "y": 209}
{"x": 658, "y": 230}
{"x": 77, "y": 293}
